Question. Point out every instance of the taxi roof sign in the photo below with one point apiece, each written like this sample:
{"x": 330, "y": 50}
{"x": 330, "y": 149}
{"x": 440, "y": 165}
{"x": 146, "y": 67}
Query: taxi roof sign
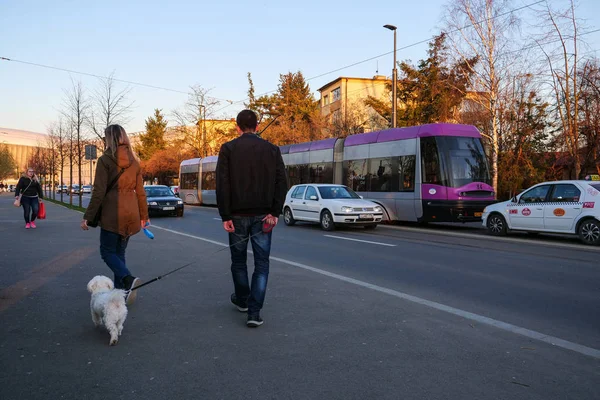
{"x": 592, "y": 178}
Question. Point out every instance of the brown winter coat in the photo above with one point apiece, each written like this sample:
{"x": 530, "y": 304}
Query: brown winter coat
{"x": 125, "y": 205}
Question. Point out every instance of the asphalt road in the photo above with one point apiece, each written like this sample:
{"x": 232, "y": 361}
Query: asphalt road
{"x": 399, "y": 312}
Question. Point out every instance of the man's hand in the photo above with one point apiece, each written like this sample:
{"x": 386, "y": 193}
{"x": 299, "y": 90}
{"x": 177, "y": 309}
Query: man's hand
{"x": 271, "y": 220}
{"x": 84, "y": 225}
{"x": 228, "y": 226}
{"x": 144, "y": 222}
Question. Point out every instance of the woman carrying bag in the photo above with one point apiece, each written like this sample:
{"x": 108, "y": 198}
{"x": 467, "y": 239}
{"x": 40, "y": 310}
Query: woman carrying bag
{"x": 118, "y": 205}
{"x": 28, "y": 194}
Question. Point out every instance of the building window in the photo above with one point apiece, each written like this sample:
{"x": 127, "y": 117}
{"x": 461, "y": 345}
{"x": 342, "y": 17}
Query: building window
{"x": 337, "y": 94}
{"x": 326, "y": 100}
{"x": 336, "y": 116}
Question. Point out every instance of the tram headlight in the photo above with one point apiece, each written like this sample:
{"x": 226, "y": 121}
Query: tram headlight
{"x": 152, "y": 203}
{"x": 346, "y": 209}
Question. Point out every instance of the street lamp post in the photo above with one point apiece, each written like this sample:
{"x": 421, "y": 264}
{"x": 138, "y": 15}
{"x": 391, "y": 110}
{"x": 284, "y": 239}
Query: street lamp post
{"x": 394, "y": 77}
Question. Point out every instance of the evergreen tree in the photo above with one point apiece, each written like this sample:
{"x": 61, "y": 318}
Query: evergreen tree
{"x": 154, "y": 138}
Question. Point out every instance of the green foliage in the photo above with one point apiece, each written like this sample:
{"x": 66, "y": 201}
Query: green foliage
{"x": 296, "y": 110}
{"x": 154, "y": 138}
{"x": 430, "y": 92}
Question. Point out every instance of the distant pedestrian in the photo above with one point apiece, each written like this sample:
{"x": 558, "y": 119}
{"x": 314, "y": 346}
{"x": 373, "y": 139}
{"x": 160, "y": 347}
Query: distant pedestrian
{"x": 124, "y": 207}
{"x": 251, "y": 189}
{"x": 28, "y": 193}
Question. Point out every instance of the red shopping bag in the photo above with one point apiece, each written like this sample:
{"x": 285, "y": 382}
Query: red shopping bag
{"x": 42, "y": 211}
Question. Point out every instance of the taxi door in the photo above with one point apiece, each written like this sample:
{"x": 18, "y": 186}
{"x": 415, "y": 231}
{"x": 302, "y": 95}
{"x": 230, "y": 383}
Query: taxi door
{"x": 529, "y": 212}
{"x": 563, "y": 207}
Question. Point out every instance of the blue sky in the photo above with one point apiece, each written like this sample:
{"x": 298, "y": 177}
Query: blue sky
{"x": 176, "y": 44}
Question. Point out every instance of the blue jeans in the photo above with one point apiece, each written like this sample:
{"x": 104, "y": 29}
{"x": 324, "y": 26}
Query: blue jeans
{"x": 250, "y": 227}
{"x": 31, "y": 207}
{"x": 112, "y": 250}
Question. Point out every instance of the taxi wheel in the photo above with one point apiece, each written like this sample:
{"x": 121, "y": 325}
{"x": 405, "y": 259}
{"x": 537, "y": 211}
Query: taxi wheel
{"x": 496, "y": 225}
{"x": 589, "y": 232}
{"x": 288, "y": 218}
{"x": 327, "y": 223}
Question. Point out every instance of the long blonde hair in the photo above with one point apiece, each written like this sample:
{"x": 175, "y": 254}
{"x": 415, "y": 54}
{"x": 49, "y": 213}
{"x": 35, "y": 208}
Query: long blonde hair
{"x": 115, "y": 136}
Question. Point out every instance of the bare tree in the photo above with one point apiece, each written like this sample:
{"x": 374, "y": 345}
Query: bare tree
{"x": 560, "y": 46}
{"x": 191, "y": 118}
{"x": 76, "y": 108}
{"x": 480, "y": 29}
{"x": 108, "y": 105}
{"x": 59, "y": 136}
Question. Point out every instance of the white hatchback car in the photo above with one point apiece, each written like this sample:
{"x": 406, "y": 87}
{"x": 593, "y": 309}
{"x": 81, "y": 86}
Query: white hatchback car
{"x": 571, "y": 207}
{"x": 329, "y": 205}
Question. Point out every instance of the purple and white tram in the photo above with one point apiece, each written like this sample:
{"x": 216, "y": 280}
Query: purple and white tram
{"x": 427, "y": 173}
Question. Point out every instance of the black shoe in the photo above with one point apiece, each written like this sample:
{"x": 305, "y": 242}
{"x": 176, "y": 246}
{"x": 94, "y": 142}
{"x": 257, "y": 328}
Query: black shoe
{"x": 254, "y": 321}
{"x": 241, "y": 306}
{"x": 130, "y": 283}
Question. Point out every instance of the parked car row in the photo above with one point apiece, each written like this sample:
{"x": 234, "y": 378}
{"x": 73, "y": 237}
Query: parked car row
{"x": 75, "y": 189}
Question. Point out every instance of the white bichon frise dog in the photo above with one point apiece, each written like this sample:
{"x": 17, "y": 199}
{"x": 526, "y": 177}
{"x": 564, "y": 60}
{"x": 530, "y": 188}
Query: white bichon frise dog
{"x": 107, "y": 306}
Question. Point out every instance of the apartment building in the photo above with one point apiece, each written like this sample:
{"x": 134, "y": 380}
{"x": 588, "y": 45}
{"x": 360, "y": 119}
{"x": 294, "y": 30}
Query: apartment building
{"x": 346, "y": 95}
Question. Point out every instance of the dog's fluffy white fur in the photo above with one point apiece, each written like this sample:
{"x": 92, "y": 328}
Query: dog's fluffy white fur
{"x": 107, "y": 306}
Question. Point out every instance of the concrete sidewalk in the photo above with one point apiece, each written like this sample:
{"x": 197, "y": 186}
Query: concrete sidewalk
{"x": 322, "y": 338}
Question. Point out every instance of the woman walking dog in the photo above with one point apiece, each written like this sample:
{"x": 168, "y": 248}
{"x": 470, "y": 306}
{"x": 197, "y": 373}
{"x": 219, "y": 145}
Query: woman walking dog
{"x": 119, "y": 197}
{"x": 28, "y": 195}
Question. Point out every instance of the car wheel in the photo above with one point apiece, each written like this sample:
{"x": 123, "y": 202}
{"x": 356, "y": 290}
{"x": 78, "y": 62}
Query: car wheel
{"x": 288, "y": 218}
{"x": 180, "y": 213}
{"x": 496, "y": 225}
{"x": 327, "y": 223}
{"x": 589, "y": 232}
{"x": 371, "y": 226}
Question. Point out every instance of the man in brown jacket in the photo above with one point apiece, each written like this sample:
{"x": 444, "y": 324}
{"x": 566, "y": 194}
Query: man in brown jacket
{"x": 124, "y": 207}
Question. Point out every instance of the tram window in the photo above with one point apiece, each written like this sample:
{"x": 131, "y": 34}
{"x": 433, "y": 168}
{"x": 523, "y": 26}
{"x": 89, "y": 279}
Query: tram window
{"x": 355, "y": 175}
{"x": 406, "y": 173}
{"x": 381, "y": 173}
{"x": 298, "y": 174}
{"x": 430, "y": 162}
{"x": 321, "y": 173}
{"x": 208, "y": 181}
{"x": 189, "y": 180}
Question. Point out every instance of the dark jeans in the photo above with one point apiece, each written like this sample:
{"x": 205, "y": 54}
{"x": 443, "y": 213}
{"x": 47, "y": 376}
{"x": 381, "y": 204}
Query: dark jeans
{"x": 246, "y": 227}
{"x": 112, "y": 250}
{"x": 31, "y": 206}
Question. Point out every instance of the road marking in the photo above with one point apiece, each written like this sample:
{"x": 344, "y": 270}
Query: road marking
{"x": 492, "y": 238}
{"x": 360, "y": 240}
{"x": 554, "y": 341}
{"x": 217, "y": 219}
{"x": 41, "y": 275}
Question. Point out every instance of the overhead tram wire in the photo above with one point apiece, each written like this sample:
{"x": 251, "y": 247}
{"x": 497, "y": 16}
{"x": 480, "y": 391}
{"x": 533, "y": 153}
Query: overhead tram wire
{"x": 401, "y": 48}
{"x": 101, "y": 77}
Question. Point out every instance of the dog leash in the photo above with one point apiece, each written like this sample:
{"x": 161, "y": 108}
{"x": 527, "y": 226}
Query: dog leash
{"x": 190, "y": 263}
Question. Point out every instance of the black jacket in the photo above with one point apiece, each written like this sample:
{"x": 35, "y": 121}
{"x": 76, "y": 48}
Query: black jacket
{"x": 250, "y": 178}
{"x": 35, "y": 189}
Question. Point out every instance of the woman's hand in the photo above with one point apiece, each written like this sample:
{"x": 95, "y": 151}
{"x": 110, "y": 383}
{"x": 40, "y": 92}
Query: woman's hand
{"x": 84, "y": 225}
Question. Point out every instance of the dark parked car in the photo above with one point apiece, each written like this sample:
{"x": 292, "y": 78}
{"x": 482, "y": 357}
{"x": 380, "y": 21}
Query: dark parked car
{"x": 161, "y": 200}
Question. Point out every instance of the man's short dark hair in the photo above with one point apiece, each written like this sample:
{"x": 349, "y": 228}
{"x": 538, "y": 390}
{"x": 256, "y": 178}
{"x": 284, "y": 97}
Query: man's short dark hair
{"x": 247, "y": 120}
